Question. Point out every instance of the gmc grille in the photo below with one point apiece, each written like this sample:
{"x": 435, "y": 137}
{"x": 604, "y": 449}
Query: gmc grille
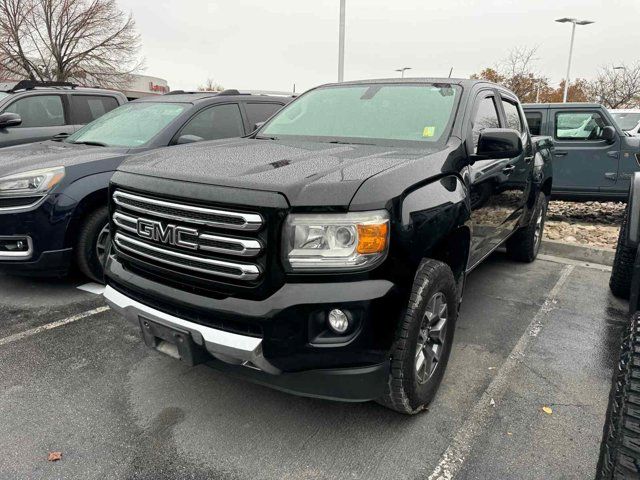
{"x": 211, "y": 242}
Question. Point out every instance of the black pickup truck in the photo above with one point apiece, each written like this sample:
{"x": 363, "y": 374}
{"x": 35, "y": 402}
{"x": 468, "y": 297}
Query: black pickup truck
{"x": 326, "y": 253}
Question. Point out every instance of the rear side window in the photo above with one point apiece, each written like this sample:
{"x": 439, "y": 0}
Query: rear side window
{"x": 86, "y": 108}
{"x": 534, "y": 119}
{"x": 39, "y": 111}
{"x": 512, "y": 115}
{"x": 582, "y": 126}
{"x": 486, "y": 117}
{"x": 259, "y": 112}
{"x": 221, "y": 121}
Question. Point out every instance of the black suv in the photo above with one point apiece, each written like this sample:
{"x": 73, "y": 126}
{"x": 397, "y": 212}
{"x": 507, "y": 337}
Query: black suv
{"x": 326, "y": 254}
{"x": 53, "y": 195}
{"x": 32, "y": 112}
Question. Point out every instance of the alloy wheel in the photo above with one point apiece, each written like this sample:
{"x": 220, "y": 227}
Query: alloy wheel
{"x": 431, "y": 338}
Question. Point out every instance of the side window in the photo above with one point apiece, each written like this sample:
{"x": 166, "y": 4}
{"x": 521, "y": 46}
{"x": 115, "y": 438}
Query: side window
{"x": 534, "y": 120}
{"x": 486, "y": 117}
{"x": 512, "y": 115}
{"x": 579, "y": 126}
{"x": 259, "y": 112}
{"x": 221, "y": 121}
{"x": 86, "y": 108}
{"x": 39, "y": 111}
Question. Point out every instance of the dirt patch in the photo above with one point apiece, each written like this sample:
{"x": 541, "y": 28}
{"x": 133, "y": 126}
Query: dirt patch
{"x": 594, "y": 224}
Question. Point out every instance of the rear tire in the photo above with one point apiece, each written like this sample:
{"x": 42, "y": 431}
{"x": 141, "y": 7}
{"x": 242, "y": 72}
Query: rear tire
{"x": 423, "y": 340}
{"x": 92, "y": 245}
{"x": 620, "y": 281}
{"x": 620, "y": 448}
{"x": 524, "y": 245}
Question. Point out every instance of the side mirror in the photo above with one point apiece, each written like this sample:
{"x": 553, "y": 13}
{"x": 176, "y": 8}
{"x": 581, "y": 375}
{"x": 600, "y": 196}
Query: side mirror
{"x": 257, "y": 126}
{"x": 9, "y": 119}
{"x": 184, "y": 139}
{"x": 496, "y": 143}
{"x": 608, "y": 134}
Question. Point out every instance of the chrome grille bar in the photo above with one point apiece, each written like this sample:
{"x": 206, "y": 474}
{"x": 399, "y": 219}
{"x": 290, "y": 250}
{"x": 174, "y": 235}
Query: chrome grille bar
{"x": 212, "y": 243}
{"x": 189, "y": 213}
{"x": 210, "y": 266}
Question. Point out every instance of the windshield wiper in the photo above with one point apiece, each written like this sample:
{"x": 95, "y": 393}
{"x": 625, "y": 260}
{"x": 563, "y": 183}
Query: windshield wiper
{"x": 90, "y": 142}
{"x": 340, "y": 142}
{"x": 260, "y": 137}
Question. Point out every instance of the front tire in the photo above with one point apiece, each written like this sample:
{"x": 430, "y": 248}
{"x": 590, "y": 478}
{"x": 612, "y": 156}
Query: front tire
{"x": 622, "y": 271}
{"x": 620, "y": 448}
{"x": 93, "y": 242}
{"x": 423, "y": 340}
{"x": 524, "y": 245}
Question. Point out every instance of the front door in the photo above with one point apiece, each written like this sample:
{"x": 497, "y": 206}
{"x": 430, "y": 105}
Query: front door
{"x": 583, "y": 161}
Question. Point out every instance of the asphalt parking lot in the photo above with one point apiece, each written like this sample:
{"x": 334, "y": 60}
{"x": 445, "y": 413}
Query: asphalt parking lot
{"x": 529, "y": 336}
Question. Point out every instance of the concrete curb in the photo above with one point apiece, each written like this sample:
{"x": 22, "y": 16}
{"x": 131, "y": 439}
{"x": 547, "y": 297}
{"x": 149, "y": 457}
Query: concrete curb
{"x": 603, "y": 256}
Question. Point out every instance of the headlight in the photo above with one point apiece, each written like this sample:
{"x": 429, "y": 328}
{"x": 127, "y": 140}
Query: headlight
{"x": 33, "y": 182}
{"x": 347, "y": 241}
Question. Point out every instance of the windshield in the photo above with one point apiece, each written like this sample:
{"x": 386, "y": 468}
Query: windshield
{"x": 626, "y": 121}
{"x": 3, "y": 94}
{"x": 130, "y": 125}
{"x": 374, "y": 113}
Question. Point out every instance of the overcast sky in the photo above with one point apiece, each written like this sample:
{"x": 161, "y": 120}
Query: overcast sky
{"x": 269, "y": 45}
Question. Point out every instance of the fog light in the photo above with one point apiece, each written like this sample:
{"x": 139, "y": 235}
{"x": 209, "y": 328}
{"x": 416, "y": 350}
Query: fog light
{"x": 338, "y": 321}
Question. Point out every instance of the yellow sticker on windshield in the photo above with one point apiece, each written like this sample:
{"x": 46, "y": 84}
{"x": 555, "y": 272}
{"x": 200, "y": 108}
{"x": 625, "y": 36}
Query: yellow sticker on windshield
{"x": 429, "y": 131}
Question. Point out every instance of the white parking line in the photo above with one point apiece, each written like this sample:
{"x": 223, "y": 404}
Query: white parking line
{"x": 42, "y": 328}
{"x": 456, "y": 453}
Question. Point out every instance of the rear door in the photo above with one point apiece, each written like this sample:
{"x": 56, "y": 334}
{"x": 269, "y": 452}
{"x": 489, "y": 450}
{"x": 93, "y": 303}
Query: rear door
{"x": 43, "y": 117}
{"x": 583, "y": 161}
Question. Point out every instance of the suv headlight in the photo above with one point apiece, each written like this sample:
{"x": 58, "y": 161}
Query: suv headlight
{"x": 31, "y": 183}
{"x": 344, "y": 241}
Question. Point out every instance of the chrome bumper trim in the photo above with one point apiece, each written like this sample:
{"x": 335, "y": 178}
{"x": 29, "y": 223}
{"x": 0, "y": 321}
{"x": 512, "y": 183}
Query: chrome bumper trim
{"x": 226, "y": 346}
{"x": 17, "y": 255}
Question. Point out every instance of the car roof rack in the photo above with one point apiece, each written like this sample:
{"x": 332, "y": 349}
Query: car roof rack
{"x": 31, "y": 84}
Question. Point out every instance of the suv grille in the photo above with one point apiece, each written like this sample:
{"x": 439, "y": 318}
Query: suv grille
{"x": 188, "y": 238}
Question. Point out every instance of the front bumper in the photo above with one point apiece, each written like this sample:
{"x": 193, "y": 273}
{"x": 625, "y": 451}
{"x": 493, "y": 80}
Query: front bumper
{"x": 242, "y": 355}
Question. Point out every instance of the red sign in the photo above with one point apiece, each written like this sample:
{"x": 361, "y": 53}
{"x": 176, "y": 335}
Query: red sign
{"x": 158, "y": 88}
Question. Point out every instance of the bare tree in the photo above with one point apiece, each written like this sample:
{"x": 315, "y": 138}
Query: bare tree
{"x": 86, "y": 41}
{"x": 518, "y": 73}
{"x": 210, "y": 86}
{"x": 617, "y": 86}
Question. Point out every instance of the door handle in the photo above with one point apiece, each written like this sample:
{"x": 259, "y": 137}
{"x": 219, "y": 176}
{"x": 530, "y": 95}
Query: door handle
{"x": 528, "y": 159}
{"x": 611, "y": 176}
{"x": 508, "y": 169}
{"x": 614, "y": 154}
{"x": 560, "y": 153}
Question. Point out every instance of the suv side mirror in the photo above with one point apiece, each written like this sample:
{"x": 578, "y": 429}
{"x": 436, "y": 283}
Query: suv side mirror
{"x": 257, "y": 126}
{"x": 496, "y": 143}
{"x": 608, "y": 134}
{"x": 9, "y": 119}
{"x": 184, "y": 139}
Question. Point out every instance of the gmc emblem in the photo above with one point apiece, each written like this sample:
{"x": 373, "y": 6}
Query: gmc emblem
{"x": 168, "y": 234}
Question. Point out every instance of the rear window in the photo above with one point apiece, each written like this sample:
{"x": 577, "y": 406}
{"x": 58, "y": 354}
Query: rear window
{"x": 534, "y": 119}
{"x": 259, "y": 112}
{"x": 86, "y": 108}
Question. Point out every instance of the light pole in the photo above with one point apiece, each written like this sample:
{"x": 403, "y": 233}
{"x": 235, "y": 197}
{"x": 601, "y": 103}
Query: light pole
{"x": 341, "y": 43}
{"x": 402, "y": 70}
{"x": 574, "y": 22}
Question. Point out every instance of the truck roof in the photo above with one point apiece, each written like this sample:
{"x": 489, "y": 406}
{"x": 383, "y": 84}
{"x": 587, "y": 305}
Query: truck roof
{"x": 464, "y": 82}
{"x": 562, "y": 105}
{"x": 180, "y": 96}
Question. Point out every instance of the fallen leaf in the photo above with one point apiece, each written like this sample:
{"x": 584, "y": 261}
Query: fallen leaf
{"x": 54, "y": 456}
{"x": 547, "y": 410}
{"x": 492, "y": 402}
{"x": 509, "y": 433}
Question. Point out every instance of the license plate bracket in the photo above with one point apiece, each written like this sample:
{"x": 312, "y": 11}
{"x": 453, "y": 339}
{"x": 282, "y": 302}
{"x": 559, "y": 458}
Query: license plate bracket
{"x": 175, "y": 342}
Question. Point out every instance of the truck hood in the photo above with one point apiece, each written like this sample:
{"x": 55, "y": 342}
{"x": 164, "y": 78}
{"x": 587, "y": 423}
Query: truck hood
{"x": 306, "y": 173}
{"x": 34, "y": 156}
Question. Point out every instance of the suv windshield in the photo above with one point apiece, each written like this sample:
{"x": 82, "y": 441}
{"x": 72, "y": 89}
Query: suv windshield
{"x": 626, "y": 121}
{"x": 372, "y": 114}
{"x": 130, "y": 125}
{"x": 3, "y": 94}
